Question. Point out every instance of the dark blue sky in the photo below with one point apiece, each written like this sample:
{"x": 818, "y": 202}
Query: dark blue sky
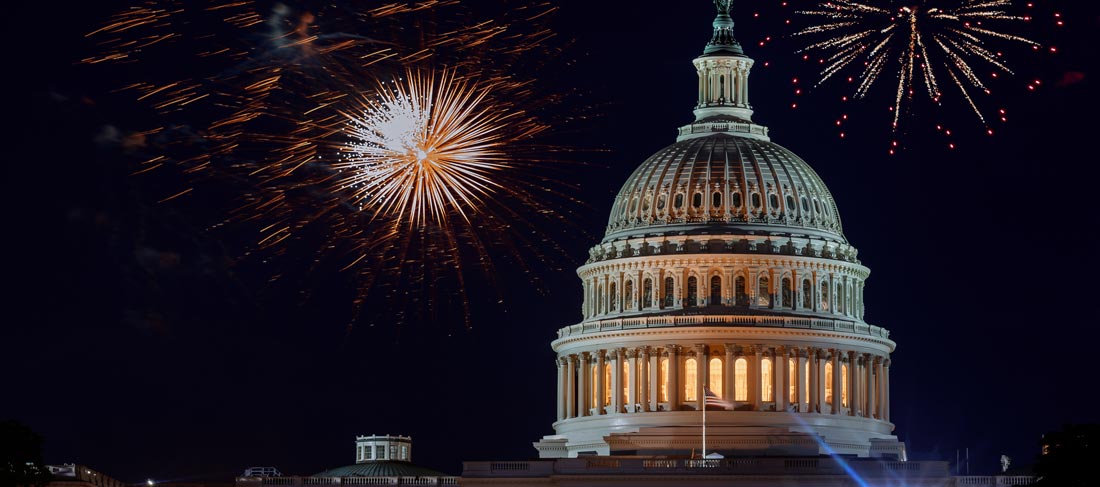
{"x": 138, "y": 343}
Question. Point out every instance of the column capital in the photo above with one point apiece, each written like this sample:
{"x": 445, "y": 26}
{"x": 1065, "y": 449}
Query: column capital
{"x": 632, "y": 353}
{"x": 673, "y": 348}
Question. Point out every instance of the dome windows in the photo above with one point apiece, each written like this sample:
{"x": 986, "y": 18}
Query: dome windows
{"x": 790, "y": 204}
{"x": 756, "y": 201}
{"x": 716, "y": 200}
{"x": 670, "y": 287}
{"x": 661, "y": 202}
{"x": 786, "y": 301}
{"x": 715, "y": 291}
{"x": 763, "y": 294}
{"x": 647, "y": 293}
{"x": 805, "y": 205}
{"x": 735, "y": 199}
{"x": 741, "y": 294}
{"x": 692, "y": 292}
{"x": 645, "y": 204}
{"x": 773, "y": 200}
{"x": 678, "y": 202}
{"x": 697, "y": 200}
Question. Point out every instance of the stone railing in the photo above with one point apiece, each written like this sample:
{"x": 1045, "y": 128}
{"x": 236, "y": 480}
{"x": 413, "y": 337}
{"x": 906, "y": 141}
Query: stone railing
{"x": 309, "y": 481}
{"x": 993, "y": 481}
{"x": 641, "y": 322}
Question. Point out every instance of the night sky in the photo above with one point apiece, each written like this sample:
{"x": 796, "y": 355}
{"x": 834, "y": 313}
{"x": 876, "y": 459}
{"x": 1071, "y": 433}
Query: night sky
{"x": 139, "y": 342}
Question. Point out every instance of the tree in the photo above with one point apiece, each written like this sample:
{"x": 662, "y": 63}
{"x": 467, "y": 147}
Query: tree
{"x": 21, "y": 456}
{"x": 1069, "y": 457}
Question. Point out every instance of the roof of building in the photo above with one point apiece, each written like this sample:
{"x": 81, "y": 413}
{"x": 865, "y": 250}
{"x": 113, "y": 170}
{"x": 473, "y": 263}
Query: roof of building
{"x": 384, "y": 468}
{"x": 723, "y": 184}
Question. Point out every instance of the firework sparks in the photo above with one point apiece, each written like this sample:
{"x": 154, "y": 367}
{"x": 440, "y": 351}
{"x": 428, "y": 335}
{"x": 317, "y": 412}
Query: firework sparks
{"x": 922, "y": 44}
{"x": 429, "y": 145}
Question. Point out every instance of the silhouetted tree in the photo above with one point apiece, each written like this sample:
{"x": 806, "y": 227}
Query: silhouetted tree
{"x": 21, "y": 456}
{"x": 1069, "y": 457}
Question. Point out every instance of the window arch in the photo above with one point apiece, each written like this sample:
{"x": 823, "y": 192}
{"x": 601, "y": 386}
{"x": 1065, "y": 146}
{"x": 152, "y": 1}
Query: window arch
{"x": 844, "y": 385}
{"x": 663, "y": 371}
{"x": 670, "y": 290}
{"x": 691, "y": 379}
{"x": 692, "y": 292}
{"x": 628, "y": 294}
{"x": 829, "y": 382}
{"x": 741, "y": 379}
{"x": 763, "y": 293}
{"x": 714, "y": 378}
{"x": 767, "y": 382}
{"x": 715, "y": 291}
{"x": 742, "y": 295}
{"x": 647, "y": 293}
{"x": 786, "y": 293}
{"x": 824, "y": 296}
{"x": 807, "y": 295}
{"x": 613, "y": 297}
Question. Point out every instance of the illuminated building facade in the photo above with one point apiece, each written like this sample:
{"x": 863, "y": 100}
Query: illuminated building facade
{"x": 724, "y": 266}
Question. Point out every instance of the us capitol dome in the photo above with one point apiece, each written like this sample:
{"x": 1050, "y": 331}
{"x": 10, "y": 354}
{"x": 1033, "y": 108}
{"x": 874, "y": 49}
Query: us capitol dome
{"x": 724, "y": 267}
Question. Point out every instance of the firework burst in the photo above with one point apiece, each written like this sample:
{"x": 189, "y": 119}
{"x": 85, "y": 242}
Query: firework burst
{"x": 350, "y": 148}
{"x": 930, "y": 44}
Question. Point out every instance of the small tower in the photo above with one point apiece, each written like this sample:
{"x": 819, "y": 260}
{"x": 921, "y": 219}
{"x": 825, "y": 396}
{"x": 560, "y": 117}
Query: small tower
{"x": 377, "y": 448}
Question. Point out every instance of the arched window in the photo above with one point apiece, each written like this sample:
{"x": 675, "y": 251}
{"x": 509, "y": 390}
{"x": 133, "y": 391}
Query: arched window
{"x": 691, "y": 379}
{"x": 678, "y": 202}
{"x": 787, "y": 293}
{"x": 767, "y": 382}
{"x": 697, "y": 200}
{"x": 741, "y": 379}
{"x": 715, "y": 377}
{"x": 828, "y": 382}
{"x": 763, "y": 293}
{"x": 716, "y": 200}
{"x": 628, "y": 295}
{"x": 715, "y": 291}
{"x": 742, "y": 296}
{"x": 824, "y": 296}
{"x": 692, "y": 292}
{"x": 844, "y": 385}
{"x": 613, "y": 299}
{"x": 626, "y": 380}
{"x": 841, "y": 298}
{"x": 663, "y": 370}
{"x": 792, "y": 379}
{"x": 670, "y": 289}
{"x": 599, "y": 300}
{"x": 807, "y": 295}
{"x": 647, "y": 293}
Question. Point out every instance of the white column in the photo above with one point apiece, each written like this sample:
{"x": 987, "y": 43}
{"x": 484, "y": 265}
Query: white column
{"x": 673, "y": 377}
{"x": 803, "y": 396}
{"x": 782, "y": 392}
{"x": 728, "y": 375}
{"x": 886, "y": 389}
{"x": 632, "y": 380}
{"x": 853, "y": 399}
{"x": 654, "y": 379}
{"x": 836, "y": 381}
{"x": 561, "y": 389}
{"x": 617, "y": 380}
{"x": 570, "y": 386}
{"x": 601, "y": 382}
{"x": 584, "y": 389}
{"x": 702, "y": 372}
{"x": 756, "y": 392}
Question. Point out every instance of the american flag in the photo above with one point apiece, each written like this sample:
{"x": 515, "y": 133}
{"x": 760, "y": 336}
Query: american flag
{"x": 712, "y": 399}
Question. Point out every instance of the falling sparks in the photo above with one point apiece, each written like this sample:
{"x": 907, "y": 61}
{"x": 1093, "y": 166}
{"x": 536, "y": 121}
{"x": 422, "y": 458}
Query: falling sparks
{"x": 927, "y": 44}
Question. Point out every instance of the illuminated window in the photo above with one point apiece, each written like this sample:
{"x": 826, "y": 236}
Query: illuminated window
{"x": 670, "y": 288}
{"x": 691, "y": 379}
{"x": 844, "y": 385}
{"x": 595, "y": 368}
{"x": 792, "y": 379}
{"x": 741, "y": 379}
{"x": 607, "y": 383}
{"x": 763, "y": 293}
{"x": 766, "y": 380}
{"x": 628, "y": 295}
{"x": 715, "y": 291}
{"x": 829, "y": 382}
{"x": 663, "y": 364}
{"x": 807, "y": 295}
{"x": 824, "y": 296}
{"x": 626, "y": 380}
{"x": 806, "y": 380}
{"x": 715, "y": 377}
{"x": 647, "y": 293}
{"x": 613, "y": 297}
{"x": 692, "y": 292}
{"x": 786, "y": 294}
{"x": 740, "y": 292}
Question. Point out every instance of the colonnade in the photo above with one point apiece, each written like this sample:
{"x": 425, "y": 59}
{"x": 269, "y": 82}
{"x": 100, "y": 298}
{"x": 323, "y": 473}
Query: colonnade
{"x": 723, "y": 82}
{"x": 643, "y": 379}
